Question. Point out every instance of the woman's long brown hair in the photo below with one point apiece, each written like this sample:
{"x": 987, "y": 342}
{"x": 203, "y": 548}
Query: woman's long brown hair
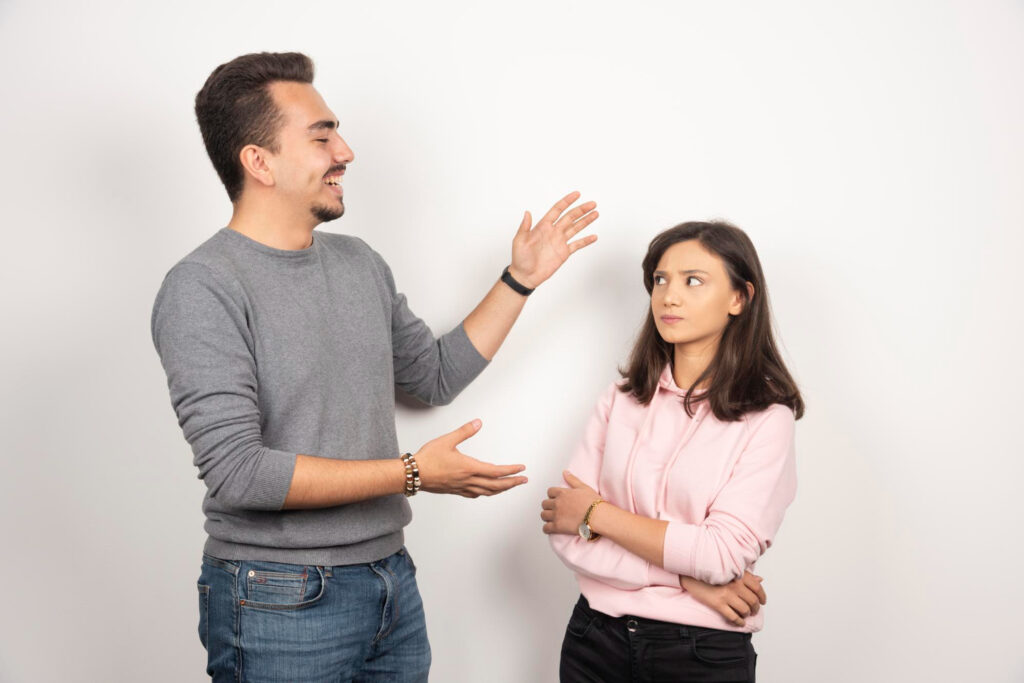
{"x": 747, "y": 373}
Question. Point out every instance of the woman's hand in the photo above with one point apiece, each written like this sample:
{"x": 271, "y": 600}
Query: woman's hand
{"x": 735, "y": 601}
{"x": 564, "y": 509}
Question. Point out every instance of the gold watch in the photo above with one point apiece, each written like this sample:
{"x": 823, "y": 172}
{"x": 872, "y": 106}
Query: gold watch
{"x": 587, "y": 533}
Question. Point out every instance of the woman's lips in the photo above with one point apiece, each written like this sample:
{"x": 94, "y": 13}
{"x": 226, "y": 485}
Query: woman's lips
{"x": 670, "y": 319}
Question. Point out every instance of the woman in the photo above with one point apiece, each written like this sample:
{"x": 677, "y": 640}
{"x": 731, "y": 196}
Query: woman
{"x": 683, "y": 475}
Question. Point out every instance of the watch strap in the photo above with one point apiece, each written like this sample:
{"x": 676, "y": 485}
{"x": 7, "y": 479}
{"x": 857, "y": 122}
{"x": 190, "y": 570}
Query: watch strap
{"x": 516, "y": 286}
{"x": 586, "y": 519}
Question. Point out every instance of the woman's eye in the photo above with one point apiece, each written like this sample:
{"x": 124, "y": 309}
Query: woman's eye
{"x": 659, "y": 279}
{"x": 693, "y": 281}
{"x": 321, "y": 139}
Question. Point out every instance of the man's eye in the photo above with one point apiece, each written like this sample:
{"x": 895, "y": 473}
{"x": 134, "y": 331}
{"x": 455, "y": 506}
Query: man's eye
{"x": 321, "y": 139}
{"x": 693, "y": 281}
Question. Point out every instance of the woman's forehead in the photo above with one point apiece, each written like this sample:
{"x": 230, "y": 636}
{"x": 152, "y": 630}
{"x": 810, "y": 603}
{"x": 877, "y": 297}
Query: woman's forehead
{"x": 690, "y": 255}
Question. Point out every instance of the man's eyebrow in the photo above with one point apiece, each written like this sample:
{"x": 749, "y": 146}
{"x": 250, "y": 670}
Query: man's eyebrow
{"x": 323, "y": 125}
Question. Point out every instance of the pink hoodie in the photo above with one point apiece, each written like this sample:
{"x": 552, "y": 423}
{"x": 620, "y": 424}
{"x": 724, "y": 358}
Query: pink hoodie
{"x": 722, "y": 486}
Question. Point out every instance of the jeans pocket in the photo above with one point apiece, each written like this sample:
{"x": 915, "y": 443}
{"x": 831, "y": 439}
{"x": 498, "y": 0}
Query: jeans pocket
{"x": 722, "y": 647}
{"x": 204, "y": 614}
{"x": 580, "y": 622}
{"x": 273, "y": 589}
{"x": 408, "y": 556}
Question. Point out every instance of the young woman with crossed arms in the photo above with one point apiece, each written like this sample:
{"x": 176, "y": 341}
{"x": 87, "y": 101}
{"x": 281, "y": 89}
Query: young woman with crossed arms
{"x": 684, "y": 473}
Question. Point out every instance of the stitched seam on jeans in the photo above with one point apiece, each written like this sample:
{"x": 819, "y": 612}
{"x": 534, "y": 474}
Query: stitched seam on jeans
{"x": 387, "y": 594}
{"x": 226, "y": 565}
{"x": 714, "y": 662}
{"x": 238, "y": 627}
{"x": 204, "y": 593}
{"x": 294, "y": 605}
{"x": 394, "y": 605}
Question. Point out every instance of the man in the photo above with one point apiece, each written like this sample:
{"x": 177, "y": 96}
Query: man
{"x": 282, "y": 349}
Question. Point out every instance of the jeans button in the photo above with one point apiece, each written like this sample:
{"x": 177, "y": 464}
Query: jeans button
{"x": 631, "y": 625}
{"x": 252, "y": 573}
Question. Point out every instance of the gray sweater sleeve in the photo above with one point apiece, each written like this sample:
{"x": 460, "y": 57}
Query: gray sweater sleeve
{"x": 200, "y": 332}
{"x": 432, "y": 370}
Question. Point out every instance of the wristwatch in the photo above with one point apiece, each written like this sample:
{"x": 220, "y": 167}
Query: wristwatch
{"x": 586, "y": 533}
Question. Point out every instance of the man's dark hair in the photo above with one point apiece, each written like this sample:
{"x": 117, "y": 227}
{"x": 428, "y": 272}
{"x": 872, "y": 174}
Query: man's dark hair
{"x": 235, "y": 109}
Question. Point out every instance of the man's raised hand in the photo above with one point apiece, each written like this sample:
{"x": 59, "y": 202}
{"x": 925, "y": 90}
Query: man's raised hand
{"x": 539, "y": 251}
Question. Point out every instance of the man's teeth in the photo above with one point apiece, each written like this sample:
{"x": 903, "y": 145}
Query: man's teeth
{"x": 333, "y": 181}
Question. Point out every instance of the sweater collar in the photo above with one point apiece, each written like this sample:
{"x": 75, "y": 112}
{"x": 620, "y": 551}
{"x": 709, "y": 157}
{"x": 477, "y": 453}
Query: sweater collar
{"x": 668, "y": 383}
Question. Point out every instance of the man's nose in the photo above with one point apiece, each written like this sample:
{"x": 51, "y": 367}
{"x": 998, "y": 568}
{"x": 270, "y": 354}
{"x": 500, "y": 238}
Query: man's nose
{"x": 342, "y": 152}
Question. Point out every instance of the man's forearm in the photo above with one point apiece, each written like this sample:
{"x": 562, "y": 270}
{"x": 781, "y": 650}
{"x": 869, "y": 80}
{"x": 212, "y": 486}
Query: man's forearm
{"x": 490, "y": 322}
{"x": 325, "y": 482}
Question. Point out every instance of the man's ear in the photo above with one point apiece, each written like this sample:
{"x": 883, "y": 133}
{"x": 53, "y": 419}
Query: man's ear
{"x": 255, "y": 164}
{"x": 738, "y": 302}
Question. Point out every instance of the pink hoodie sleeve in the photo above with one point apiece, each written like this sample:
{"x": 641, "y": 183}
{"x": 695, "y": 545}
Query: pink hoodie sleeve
{"x": 601, "y": 559}
{"x": 746, "y": 513}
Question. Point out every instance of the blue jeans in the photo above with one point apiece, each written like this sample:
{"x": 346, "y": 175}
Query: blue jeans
{"x": 267, "y": 621}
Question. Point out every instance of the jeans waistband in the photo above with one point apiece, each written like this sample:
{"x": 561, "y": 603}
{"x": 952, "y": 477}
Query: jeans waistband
{"x": 652, "y": 627}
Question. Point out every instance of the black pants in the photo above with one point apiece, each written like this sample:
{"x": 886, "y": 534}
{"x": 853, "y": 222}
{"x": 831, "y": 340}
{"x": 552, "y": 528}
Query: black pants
{"x": 600, "y": 648}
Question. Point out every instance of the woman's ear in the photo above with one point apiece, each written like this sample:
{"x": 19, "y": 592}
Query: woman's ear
{"x": 739, "y": 302}
{"x": 254, "y": 161}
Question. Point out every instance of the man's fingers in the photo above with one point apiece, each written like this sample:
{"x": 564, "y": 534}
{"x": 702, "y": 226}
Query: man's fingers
{"x": 496, "y": 485}
{"x": 555, "y": 491}
{"x": 547, "y": 515}
{"x": 462, "y": 433}
{"x": 524, "y": 226}
{"x": 574, "y": 228}
{"x": 548, "y": 528}
{"x": 580, "y": 243}
{"x": 486, "y": 469}
{"x": 547, "y": 504}
{"x": 567, "y": 220}
{"x": 561, "y": 205}
{"x": 572, "y": 479}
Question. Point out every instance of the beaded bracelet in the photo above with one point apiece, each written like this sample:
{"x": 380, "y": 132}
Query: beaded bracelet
{"x": 412, "y": 474}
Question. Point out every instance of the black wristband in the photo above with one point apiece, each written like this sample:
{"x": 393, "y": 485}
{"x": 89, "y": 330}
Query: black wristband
{"x": 507, "y": 278}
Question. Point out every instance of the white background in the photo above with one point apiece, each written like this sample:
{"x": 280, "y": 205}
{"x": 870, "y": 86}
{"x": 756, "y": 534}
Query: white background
{"x": 874, "y": 151}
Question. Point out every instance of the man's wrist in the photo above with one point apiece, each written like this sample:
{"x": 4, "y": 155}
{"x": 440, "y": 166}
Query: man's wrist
{"x": 525, "y": 285}
{"x": 412, "y": 475}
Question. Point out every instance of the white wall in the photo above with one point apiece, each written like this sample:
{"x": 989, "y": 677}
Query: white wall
{"x": 873, "y": 150}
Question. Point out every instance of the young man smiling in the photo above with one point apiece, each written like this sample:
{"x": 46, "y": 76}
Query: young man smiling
{"x": 282, "y": 349}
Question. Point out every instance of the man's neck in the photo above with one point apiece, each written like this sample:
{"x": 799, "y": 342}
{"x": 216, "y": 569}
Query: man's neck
{"x": 272, "y": 225}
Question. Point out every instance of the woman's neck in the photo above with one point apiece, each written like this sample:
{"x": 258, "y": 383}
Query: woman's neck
{"x": 689, "y": 361}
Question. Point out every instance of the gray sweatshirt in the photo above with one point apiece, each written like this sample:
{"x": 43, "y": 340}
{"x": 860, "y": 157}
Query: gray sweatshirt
{"x": 271, "y": 353}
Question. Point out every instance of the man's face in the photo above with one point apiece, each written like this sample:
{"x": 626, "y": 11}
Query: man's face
{"x": 311, "y": 156}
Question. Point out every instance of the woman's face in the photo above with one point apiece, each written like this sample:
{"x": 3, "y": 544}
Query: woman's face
{"x": 692, "y": 296}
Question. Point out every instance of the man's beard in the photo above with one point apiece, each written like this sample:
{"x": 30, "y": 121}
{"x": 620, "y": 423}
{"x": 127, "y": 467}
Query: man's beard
{"x": 325, "y": 214}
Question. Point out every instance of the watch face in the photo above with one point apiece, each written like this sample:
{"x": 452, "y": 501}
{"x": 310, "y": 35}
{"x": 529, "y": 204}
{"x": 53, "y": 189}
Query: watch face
{"x": 585, "y": 531}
